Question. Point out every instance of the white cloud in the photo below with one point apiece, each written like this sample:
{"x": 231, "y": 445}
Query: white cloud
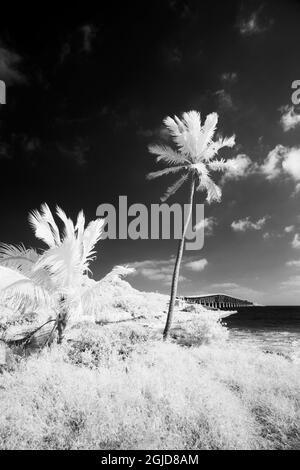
{"x": 89, "y": 33}
{"x": 271, "y": 166}
{"x": 250, "y": 25}
{"x": 245, "y": 224}
{"x": 225, "y": 100}
{"x": 225, "y": 285}
{"x": 296, "y": 241}
{"x": 77, "y": 152}
{"x": 294, "y": 263}
{"x": 229, "y": 77}
{"x": 297, "y": 189}
{"x": 196, "y": 265}
{"x": 289, "y": 228}
{"x": 289, "y": 119}
{"x": 207, "y": 224}
{"x": 282, "y": 161}
{"x": 156, "y": 270}
{"x": 253, "y": 24}
{"x": 9, "y": 63}
{"x": 238, "y": 167}
{"x": 291, "y": 282}
{"x": 237, "y": 290}
{"x": 291, "y": 163}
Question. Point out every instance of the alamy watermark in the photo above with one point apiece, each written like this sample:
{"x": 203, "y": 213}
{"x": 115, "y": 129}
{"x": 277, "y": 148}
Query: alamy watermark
{"x": 296, "y": 93}
{"x": 2, "y": 92}
{"x": 159, "y": 222}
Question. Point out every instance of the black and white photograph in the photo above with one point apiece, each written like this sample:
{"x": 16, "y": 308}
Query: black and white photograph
{"x": 150, "y": 228}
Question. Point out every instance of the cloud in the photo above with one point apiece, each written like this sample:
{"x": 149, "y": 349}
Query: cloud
{"x": 238, "y": 167}
{"x": 156, "y": 270}
{"x": 225, "y": 285}
{"x": 297, "y": 189}
{"x": 289, "y": 119}
{"x": 282, "y": 161}
{"x": 5, "y": 151}
{"x": 65, "y": 51}
{"x": 89, "y": 33}
{"x": 182, "y": 9}
{"x": 229, "y": 77}
{"x": 9, "y": 64}
{"x": 273, "y": 235}
{"x": 245, "y": 224}
{"x": 291, "y": 163}
{"x": 77, "y": 152}
{"x": 253, "y": 24}
{"x": 291, "y": 282}
{"x": 30, "y": 144}
{"x": 289, "y": 228}
{"x": 296, "y": 241}
{"x": 225, "y": 101}
{"x": 207, "y": 224}
{"x": 294, "y": 263}
{"x": 271, "y": 167}
{"x": 236, "y": 290}
{"x": 196, "y": 266}
{"x": 172, "y": 55}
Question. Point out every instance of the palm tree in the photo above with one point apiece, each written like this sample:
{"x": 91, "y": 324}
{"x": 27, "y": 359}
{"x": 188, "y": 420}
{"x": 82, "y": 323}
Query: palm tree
{"x": 57, "y": 276}
{"x": 193, "y": 159}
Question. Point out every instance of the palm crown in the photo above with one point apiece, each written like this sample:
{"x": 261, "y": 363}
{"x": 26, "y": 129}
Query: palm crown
{"x": 194, "y": 154}
{"x": 28, "y": 277}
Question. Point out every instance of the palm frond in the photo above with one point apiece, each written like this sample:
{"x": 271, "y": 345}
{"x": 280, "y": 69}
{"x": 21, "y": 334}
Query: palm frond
{"x": 80, "y": 226}
{"x": 218, "y": 165}
{"x": 192, "y": 122}
{"x": 179, "y": 133}
{"x": 18, "y": 290}
{"x": 174, "y": 187}
{"x": 214, "y": 193}
{"x": 228, "y": 141}
{"x": 207, "y": 132}
{"x": 17, "y": 257}
{"x": 91, "y": 236}
{"x": 214, "y": 147}
{"x": 51, "y": 222}
{"x": 167, "y": 154}
{"x": 63, "y": 262}
{"x": 69, "y": 229}
{"x": 165, "y": 171}
{"x": 41, "y": 227}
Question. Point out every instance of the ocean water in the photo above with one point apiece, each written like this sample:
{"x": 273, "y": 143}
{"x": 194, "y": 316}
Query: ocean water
{"x": 271, "y": 328}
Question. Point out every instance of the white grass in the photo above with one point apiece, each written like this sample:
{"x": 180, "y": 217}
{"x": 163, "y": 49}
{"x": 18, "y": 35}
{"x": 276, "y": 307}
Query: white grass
{"x": 118, "y": 386}
{"x": 150, "y": 394}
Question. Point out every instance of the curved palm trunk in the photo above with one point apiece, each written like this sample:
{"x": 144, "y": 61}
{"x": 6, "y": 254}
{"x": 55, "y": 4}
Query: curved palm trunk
{"x": 177, "y": 264}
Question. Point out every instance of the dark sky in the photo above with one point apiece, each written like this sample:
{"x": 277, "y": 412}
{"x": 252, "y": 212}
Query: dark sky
{"x": 87, "y": 91}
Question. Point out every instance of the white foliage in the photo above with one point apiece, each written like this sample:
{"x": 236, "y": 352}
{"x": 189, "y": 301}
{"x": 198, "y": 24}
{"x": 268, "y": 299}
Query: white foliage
{"x": 195, "y": 151}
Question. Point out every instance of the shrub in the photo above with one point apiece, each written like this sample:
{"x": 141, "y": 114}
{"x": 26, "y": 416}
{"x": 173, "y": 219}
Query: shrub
{"x": 93, "y": 345}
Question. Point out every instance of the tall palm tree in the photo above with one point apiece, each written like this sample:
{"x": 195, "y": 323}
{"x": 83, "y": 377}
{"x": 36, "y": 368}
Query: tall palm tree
{"x": 57, "y": 276}
{"x": 193, "y": 159}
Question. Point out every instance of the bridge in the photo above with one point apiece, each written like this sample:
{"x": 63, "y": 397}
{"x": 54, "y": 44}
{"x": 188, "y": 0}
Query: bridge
{"x": 219, "y": 301}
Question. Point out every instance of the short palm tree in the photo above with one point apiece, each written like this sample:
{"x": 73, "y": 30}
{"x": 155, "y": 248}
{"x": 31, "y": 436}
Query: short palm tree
{"x": 57, "y": 276}
{"x": 193, "y": 159}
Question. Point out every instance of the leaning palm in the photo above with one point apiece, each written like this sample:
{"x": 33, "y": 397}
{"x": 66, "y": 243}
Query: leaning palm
{"x": 193, "y": 159}
{"x": 58, "y": 275}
